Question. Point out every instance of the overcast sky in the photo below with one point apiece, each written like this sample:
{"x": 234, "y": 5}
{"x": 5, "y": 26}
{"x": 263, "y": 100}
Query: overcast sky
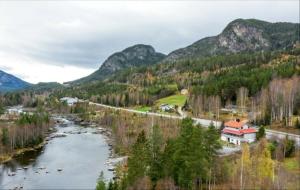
{"x": 65, "y": 40}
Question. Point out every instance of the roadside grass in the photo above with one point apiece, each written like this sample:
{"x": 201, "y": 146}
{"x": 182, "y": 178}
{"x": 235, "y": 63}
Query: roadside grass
{"x": 279, "y": 126}
{"x": 143, "y": 108}
{"x": 177, "y": 99}
{"x": 292, "y": 164}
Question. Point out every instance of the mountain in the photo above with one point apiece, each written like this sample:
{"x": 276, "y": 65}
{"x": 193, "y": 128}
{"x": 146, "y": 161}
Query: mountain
{"x": 9, "y": 82}
{"x": 134, "y": 56}
{"x": 241, "y": 35}
{"x": 45, "y": 86}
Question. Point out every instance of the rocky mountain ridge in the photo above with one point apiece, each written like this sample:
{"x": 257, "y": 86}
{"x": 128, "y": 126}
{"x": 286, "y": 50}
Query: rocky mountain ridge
{"x": 241, "y": 35}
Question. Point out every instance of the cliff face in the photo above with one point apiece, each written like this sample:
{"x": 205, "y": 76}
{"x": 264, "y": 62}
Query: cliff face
{"x": 241, "y": 36}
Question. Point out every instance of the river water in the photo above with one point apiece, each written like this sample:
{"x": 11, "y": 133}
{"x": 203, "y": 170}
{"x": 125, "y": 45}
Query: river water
{"x": 81, "y": 156}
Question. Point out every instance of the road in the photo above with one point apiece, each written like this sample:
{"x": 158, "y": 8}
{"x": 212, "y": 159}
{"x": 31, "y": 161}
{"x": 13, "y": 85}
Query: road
{"x": 204, "y": 122}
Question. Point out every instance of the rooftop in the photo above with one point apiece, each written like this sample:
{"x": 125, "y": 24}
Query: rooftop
{"x": 239, "y": 132}
{"x": 234, "y": 124}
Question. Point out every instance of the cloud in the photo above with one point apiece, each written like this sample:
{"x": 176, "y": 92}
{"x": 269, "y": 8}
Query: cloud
{"x": 81, "y": 35}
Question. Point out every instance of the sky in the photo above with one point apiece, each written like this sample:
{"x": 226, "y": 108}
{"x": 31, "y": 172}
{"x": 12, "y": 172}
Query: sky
{"x": 45, "y": 41}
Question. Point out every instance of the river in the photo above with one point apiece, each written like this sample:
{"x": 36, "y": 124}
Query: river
{"x": 71, "y": 162}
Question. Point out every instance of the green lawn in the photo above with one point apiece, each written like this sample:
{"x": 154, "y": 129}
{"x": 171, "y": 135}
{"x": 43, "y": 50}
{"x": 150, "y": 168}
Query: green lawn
{"x": 178, "y": 100}
{"x": 143, "y": 108}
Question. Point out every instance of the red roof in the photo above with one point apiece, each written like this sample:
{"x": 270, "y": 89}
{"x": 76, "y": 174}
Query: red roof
{"x": 232, "y": 132}
{"x": 249, "y": 130}
{"x": 239, "y": 132}
{"x": 234, "y": 124}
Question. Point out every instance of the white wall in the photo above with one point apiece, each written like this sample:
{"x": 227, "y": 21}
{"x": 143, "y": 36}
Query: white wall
{"x": 250, "y": 137}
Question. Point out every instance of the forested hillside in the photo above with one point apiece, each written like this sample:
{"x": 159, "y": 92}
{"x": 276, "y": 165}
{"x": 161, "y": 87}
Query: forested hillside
{"x": 134, "y": 56}
{"x": 257, "y": 70}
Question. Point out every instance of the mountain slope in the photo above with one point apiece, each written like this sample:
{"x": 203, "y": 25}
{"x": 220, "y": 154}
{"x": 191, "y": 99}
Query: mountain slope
{"x": 134, "y": 56}
{"x": 9, "y": 82}
{"x": 241, "y": 35}
{"x": 45, "y": 86}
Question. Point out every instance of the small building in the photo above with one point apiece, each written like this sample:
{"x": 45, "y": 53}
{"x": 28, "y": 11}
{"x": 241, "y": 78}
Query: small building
{"x": 15, "y": 110}
{"x": 166, "y": 107}
{"x": 184, "y": 92}
{"x": 237, "y": 132}
{"x": 70, "y": 101}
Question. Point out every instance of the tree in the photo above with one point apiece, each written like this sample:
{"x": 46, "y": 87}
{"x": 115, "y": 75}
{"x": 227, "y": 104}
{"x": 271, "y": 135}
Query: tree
{"x": 212, "y": 144}
{"x": 297, "y": 123}
{"x": 265, "y": 165}
{"x": 245, "y": 165}
{"x": 101, "y": 182}
{"x": 190, "y": 156}
{"x": 289, "y": 147}
{"x": 2, "y": 109}
{"x": 261, "y": 133}
{"x": 242, "y": 98}
{"x": 138, "y": 161}
{"x": 156, "y": 143}
{"x": 5, "y": 137}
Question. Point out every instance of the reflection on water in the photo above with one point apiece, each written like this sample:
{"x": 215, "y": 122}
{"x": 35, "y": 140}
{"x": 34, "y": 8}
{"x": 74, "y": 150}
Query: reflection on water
{"x": 71, "y": 162}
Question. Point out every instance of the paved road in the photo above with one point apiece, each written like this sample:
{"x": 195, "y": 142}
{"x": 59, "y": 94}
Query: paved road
{"x": 281, "y": 135}
{"x": 205, "y": 122}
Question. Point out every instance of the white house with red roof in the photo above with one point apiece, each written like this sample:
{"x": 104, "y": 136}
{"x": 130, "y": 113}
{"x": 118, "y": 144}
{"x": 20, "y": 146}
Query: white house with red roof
{"x": 237, "y": 132}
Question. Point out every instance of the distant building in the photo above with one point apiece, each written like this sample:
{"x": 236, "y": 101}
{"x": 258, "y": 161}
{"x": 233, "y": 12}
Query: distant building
{"x": 70, "y": 101}
{"x": 184, "y": 92}
{"x": 166, "y": 107}
{"x": 237, "y": 132}
{"x": 16, "y": 110}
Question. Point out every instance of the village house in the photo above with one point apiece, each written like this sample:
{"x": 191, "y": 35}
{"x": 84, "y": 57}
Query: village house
{"x": 70, "y": 101}
{"x": 237, "y": 131}
{"x": 166, "y": 107}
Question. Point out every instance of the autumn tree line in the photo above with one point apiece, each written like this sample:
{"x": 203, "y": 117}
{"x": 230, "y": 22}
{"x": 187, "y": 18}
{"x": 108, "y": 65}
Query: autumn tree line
{"x": 246, "y": 80}
{"x": 278, "y": 102}
{"x": 262, "y": 167}
{"x": 190, "y": 160}
{"x": 29, "y": 130}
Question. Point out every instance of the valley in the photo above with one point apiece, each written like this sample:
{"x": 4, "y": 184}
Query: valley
{"x": 221, "y": 113}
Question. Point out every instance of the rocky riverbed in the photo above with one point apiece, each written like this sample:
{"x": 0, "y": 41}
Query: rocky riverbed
{"x": 72, "y": 157}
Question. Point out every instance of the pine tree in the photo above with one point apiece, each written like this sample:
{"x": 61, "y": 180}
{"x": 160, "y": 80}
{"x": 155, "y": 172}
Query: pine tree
{"x": 4, "y": 139}
{"x": 138, "y": 161}
{"x": 190, "y": 154}
{"x": 261, "y": 133}
{"x": 212, "y": 144}
{"x": 156, "y": 143}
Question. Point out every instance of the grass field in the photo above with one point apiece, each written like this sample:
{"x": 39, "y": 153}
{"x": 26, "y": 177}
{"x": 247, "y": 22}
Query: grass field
{"x": 178, "y": 100}
{"x": 143, "y": 108}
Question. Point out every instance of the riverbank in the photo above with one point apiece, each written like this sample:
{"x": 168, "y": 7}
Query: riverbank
{"x": 9, "y": 156}
{"x": 73, "y": 159}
